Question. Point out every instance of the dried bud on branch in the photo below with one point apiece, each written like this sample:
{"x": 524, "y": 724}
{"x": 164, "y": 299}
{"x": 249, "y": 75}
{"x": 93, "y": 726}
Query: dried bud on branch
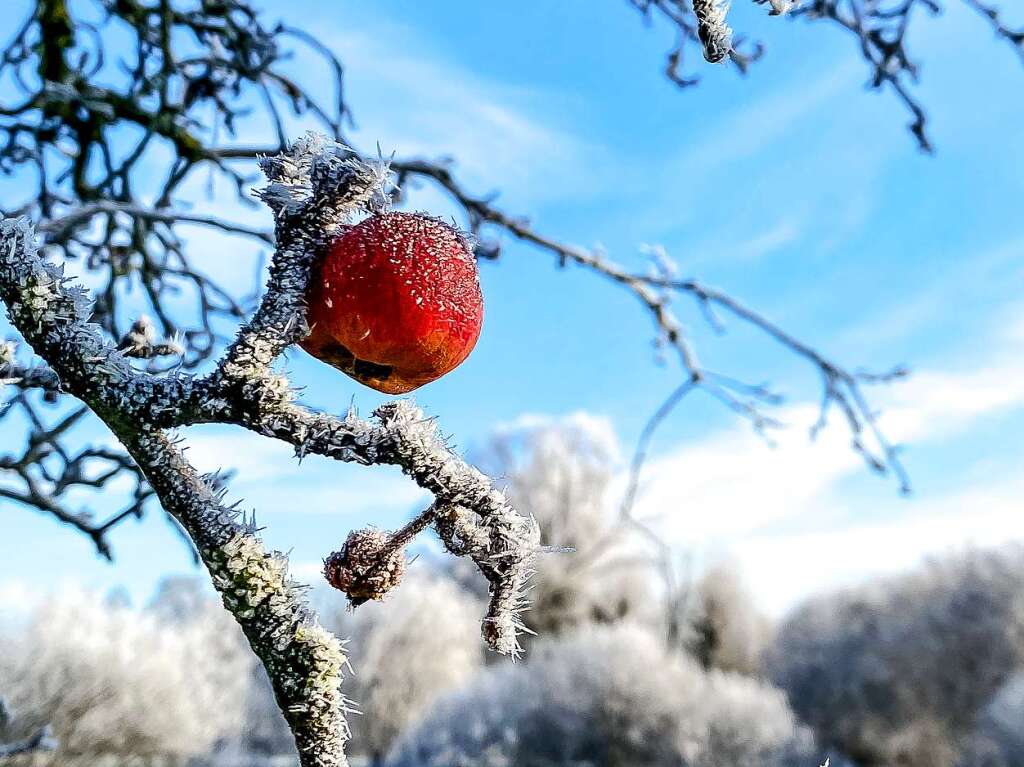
{"x": 367, "y": 567}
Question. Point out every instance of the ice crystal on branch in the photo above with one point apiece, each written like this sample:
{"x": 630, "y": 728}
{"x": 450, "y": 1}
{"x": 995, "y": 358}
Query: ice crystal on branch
{"x": 327, "y": 175}
{"x": 715, "y": 35}
{"x": 141, "y": 341}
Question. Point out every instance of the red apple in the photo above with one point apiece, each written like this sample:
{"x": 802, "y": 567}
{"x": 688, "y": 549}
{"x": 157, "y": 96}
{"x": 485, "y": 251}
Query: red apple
{"x": 396, "y": 302}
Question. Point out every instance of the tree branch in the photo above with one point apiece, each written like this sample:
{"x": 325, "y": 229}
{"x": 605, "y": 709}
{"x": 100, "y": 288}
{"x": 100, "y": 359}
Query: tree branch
{"x": 62, "y": 227}
{"x": 313, "y": 189}
{"x": 1015, "y": 37}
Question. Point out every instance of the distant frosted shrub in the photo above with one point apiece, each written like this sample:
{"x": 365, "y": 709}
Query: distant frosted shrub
{"x": 898, "y": 672}
{"x": 120, "y": 682}
{"x": 725, "y": 630}
{"x": 606, "y": 696}
{"x": 422, "y": 641}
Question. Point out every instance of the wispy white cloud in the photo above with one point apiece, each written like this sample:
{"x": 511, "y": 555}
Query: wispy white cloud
{"x": 782, "y": 232}
{"x": 416, "y": 100}
{"x": 764, "y": 206}
{"x": 965, "y": 285}
{"x": 773, "y": 118}
{"x": 806, "y": 515}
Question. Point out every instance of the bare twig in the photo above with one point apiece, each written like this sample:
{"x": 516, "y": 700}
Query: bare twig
{"x": 644, "y": 442}
{"x": 59, "y": 229}
{"x": 96, "y": 202}
{"x": 1015, "y": 37}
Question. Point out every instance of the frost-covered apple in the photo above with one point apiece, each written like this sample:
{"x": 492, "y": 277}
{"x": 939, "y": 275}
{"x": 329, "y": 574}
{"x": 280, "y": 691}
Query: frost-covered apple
{"x": 396, "y": 302}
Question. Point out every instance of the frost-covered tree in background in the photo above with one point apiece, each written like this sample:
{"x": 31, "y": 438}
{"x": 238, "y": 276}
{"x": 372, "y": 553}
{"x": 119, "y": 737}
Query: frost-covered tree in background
{"x": 607, "y": 695}
{"x": 117, "y": 112}
{"x": 116, "y": 682}
{"x": 901, "y": 671}
{"x": 563, "y": 472}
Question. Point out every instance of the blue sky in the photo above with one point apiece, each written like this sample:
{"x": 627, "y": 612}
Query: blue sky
{"x": 795, "y": 189}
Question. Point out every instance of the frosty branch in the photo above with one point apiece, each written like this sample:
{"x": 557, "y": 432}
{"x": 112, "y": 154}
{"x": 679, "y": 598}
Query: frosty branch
{"x": 313, "y": 188}
{"x": 91, "y": 211}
